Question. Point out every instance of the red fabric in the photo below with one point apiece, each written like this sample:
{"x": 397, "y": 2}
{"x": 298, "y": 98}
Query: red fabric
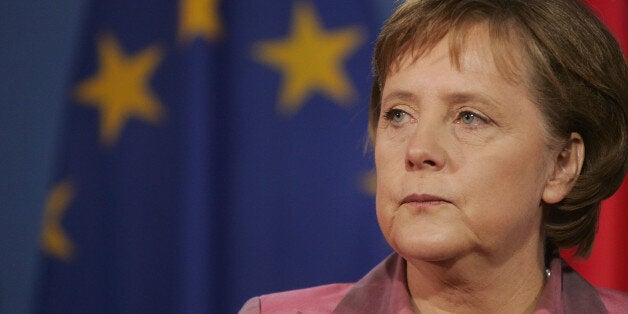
{"x": 614, "y": 13}
{"x": 608, "y": 264}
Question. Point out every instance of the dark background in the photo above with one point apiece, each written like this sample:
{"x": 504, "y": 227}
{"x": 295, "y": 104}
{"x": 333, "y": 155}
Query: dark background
{"x": 37, "y": 46}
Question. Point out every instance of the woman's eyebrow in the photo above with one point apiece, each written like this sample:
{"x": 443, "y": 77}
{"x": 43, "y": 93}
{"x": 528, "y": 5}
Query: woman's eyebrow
{"x": 400, "y": 95}
{"x": 467, "y": 97}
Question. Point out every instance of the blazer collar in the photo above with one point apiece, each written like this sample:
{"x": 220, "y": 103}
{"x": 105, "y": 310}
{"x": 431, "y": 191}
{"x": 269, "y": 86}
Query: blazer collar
{"x": 384, "y": 290}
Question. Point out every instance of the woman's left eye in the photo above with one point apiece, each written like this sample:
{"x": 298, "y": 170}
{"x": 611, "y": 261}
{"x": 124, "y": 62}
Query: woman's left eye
{"x": 397, "y": 116}
{"x": 471, "y": 118}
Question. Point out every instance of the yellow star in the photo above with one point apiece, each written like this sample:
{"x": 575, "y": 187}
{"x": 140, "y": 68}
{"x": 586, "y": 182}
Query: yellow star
{"x": 120, "y": 89}
{"x": 54, "y": 241}
{"x": 199, "y": 18}
{"x": 368, "y": 183}
{"x": 311, "y": 60}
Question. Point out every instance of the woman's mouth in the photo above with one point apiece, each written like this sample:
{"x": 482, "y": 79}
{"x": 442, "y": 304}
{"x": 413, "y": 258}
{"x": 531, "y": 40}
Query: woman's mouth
{"x": 423, "y": 201}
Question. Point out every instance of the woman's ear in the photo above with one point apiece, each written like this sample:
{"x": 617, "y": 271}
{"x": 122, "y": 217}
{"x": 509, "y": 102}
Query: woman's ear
{"x": 567, "y": 166}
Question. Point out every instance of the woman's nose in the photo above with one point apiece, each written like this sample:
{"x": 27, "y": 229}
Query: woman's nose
{"x": 425, "y": 150}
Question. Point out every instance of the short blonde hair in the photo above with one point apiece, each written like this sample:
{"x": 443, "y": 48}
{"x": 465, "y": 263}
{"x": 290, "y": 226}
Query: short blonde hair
{"x": 577, "y": 74}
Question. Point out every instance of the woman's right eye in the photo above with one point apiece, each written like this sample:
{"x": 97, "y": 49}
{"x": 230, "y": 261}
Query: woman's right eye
{"x": 397, "y": 116}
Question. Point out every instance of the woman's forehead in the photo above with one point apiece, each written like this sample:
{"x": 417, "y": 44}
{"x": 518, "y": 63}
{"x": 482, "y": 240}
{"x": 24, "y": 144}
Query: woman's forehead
{"x": 474, "y": 46}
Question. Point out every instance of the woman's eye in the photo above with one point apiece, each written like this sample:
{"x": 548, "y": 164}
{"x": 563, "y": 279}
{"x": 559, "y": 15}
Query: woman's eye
{"x": 471, "y": 118}
{"x": 397, "y": 116}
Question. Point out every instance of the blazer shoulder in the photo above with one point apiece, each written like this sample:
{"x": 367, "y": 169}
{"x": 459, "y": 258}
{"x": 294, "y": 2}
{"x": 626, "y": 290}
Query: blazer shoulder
{"x": 317, "y": 299}
{"x": 615, "y": 301}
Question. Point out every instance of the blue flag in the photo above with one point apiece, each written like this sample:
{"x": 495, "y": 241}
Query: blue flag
{"x": 211, "y": 151}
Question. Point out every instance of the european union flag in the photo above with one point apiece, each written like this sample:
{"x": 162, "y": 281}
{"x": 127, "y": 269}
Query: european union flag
{"x": 211, "y": 151}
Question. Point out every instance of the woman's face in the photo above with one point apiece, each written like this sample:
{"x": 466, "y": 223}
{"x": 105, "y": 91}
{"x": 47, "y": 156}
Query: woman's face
{"x": 461, "y": 155}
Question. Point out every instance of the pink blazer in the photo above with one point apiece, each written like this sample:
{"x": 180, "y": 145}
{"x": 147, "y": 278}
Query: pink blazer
{"x": 383, "y": 290}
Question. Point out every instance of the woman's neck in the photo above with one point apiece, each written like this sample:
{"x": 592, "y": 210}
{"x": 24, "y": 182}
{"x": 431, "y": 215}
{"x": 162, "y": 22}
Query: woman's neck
{"x": 478, "y": 283}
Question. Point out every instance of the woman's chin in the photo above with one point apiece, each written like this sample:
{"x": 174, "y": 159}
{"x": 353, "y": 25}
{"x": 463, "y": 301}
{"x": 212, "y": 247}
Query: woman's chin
{"x": 434, "y": 248}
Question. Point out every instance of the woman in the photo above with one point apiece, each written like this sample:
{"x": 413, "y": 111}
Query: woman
{"x": 498, "y": 127}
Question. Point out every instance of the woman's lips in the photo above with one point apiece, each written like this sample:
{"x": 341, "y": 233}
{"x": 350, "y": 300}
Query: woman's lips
{"x": 423, "y": 201}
